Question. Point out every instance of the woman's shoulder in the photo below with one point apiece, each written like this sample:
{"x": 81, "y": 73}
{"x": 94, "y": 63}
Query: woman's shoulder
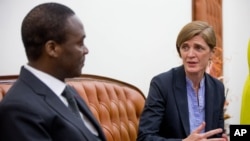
{"x": 170, "y": 73}
{"x": 214, "y": 80}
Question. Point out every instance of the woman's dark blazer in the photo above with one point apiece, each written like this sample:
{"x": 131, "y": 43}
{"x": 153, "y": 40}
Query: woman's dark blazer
{"x": 166, "y": 116}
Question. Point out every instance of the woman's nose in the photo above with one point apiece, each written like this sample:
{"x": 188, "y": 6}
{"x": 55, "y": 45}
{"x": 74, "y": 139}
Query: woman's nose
{"x": 191, "y": 52}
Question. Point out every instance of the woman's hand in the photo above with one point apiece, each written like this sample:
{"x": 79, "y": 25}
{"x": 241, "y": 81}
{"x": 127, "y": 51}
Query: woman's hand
{"x": 225, "y": 137}
{"x": 197, "y": 136}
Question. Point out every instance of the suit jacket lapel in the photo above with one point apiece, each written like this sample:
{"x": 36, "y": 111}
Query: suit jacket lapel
{"x": 85, "y": 110}
{"x": 180, "y": 93}
{"x": 64, "y": 111}
{"x": 83, "y": 107}
{"x": 53, "y": 101}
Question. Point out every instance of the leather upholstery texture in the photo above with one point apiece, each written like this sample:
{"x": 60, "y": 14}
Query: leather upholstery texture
{"x": 117, "y": 105}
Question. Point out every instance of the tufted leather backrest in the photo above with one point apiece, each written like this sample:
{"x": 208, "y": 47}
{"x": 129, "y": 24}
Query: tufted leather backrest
{"x": 5, "y": 83}
{"x": 117, "y": 105}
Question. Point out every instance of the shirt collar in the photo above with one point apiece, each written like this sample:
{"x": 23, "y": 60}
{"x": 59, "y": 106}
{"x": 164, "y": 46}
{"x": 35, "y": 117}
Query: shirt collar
{"x": 53, "y": 83}
{"x": 190, "y": 83}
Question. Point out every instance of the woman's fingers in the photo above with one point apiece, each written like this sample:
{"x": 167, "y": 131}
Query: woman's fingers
{"x": 212, "y": 132}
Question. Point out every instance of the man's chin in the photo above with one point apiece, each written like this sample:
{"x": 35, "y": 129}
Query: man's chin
{"x": 76, "y": 74}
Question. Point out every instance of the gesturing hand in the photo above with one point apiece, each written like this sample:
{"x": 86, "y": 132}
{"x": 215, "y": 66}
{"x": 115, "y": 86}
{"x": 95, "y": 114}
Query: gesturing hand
{"x": 197, "y": 136}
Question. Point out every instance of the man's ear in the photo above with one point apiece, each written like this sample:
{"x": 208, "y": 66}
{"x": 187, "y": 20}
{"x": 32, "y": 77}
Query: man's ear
{"x": 51, "y": 48}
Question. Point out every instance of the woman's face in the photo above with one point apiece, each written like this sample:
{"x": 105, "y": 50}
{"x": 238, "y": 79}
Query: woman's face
{"x": 195, "y": 55}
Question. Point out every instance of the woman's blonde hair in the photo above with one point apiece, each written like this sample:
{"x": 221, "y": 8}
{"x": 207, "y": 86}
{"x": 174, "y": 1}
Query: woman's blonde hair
{"x": 196, "y": 28}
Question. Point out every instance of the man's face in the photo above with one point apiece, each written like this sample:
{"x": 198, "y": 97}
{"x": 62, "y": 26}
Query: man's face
{"x": 73, "y": 50}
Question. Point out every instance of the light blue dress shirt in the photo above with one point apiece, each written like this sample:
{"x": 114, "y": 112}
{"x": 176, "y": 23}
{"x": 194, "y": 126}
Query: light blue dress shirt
{"x": 196, "y": 104}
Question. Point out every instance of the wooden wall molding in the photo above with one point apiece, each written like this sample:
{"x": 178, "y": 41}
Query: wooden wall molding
{"x": 211, "y": 12}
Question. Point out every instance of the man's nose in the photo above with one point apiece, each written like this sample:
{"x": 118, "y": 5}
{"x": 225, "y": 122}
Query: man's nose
{"x": 85, "y": 50}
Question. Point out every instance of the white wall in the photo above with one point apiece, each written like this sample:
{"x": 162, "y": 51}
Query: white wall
{"x": 236, "y": 34}
{"x": 133, "y": 40}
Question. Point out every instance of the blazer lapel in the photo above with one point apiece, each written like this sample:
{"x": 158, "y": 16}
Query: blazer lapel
{"x": 180, "y": 94}
{"x": 209, "y": 98}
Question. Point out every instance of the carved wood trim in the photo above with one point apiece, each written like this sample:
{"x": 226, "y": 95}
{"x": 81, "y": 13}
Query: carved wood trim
{"x": 211, "y": 12}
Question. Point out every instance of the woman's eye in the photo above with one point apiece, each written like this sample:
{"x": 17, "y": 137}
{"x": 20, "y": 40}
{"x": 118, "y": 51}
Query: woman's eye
{"x": 184, "y": 47}
{"x": 199, "y": 48}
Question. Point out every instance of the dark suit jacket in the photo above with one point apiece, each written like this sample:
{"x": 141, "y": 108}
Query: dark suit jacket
{"x": 165, "y": 115}
{"x": 32, "y": 112}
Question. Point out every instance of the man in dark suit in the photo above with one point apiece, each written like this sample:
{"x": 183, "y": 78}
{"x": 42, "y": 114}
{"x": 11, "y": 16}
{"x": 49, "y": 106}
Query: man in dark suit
{"x": 185, "y": 103}
{"x": 34, "y": 108}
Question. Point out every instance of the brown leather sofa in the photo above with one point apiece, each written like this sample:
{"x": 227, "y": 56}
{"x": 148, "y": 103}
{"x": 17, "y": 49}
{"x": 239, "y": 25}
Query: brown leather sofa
{"x": 116, "y": 104}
